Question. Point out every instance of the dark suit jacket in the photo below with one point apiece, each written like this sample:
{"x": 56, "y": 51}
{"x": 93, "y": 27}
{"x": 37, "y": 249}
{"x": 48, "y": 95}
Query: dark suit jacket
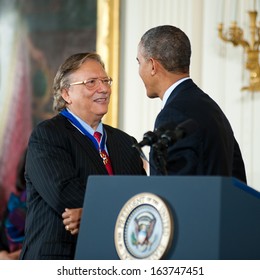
{"x": 212, "y": 149}
{"x": 59, "y": 161}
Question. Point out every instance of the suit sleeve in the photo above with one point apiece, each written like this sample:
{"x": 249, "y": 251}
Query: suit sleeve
{"x": 238, "y": 170}
{"x": 50, "y": 171}
{"x": 182, "y": 158}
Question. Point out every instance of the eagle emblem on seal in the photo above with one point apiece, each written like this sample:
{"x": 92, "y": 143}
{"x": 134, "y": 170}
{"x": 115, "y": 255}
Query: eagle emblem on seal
{"x": 141, "y": 237}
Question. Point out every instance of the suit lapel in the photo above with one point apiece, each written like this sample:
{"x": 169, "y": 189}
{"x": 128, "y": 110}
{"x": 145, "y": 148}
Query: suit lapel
{"x": 88, "y": 147}
{"x": 114, "y": 152}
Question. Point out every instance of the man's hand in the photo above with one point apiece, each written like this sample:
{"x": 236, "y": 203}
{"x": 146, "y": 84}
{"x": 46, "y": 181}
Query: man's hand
{"x": 71, "y": 219}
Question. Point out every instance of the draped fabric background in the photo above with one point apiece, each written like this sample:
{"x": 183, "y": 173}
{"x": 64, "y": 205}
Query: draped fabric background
{"x": 15, "y": 98}
{"x": 35, "y": 38}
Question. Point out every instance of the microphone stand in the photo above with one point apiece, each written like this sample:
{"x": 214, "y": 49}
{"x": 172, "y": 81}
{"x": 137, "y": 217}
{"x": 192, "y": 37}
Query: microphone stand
{"x": 159, "y": 157}
{"x": 141, "y": 153}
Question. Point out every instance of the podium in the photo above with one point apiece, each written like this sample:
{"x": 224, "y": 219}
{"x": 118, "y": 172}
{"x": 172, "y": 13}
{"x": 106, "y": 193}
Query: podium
{"x": 213, "y": 217}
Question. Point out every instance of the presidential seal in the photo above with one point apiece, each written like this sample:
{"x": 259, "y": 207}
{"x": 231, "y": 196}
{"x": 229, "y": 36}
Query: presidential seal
{"x": 144, "y": 228}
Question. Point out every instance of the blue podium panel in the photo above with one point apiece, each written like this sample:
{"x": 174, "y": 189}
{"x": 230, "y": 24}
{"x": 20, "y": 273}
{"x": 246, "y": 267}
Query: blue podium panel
{"x": 214, "y": 217}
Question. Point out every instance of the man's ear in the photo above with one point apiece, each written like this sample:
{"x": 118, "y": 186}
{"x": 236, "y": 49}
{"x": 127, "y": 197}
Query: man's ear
{"x": 154, "y": 65}
{"x": 65, "y": 95}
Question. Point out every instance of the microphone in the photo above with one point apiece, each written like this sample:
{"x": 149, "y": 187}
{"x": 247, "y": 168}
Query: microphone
{"x": 182, "y": 130}
{"x": 151, "y": 137}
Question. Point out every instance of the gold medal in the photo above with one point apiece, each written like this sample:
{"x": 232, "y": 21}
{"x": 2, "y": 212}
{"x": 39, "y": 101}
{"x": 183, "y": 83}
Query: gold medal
{"x": 104, "y": 157}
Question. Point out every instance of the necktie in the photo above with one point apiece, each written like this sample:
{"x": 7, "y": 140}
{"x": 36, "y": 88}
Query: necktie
{"x": 103, "y": 154}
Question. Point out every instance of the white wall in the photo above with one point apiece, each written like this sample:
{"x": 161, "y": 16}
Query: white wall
{"x": 223, "y": 77}
{"x": 216, "y": 67}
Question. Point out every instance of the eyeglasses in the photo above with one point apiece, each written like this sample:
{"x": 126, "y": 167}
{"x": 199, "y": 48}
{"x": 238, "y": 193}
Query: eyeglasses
{"x": 94, "y": 83}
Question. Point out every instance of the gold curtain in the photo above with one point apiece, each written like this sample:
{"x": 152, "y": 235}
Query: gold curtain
{"x": 108, "y": 48}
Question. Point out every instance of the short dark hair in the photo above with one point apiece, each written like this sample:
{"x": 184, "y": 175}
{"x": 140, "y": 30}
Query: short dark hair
{"x": 169, "y": 45}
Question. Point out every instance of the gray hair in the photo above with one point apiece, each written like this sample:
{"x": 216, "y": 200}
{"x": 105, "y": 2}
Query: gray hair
{"x": 169, "y": 45}
{"x": 62, "y": 80}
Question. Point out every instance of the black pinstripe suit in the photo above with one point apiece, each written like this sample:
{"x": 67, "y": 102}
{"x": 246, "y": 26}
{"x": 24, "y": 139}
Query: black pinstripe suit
{"x": 59, "y": 161}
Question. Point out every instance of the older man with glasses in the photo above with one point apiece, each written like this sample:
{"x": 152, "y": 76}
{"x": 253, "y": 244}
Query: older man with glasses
{"x": 65, "y": 150}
